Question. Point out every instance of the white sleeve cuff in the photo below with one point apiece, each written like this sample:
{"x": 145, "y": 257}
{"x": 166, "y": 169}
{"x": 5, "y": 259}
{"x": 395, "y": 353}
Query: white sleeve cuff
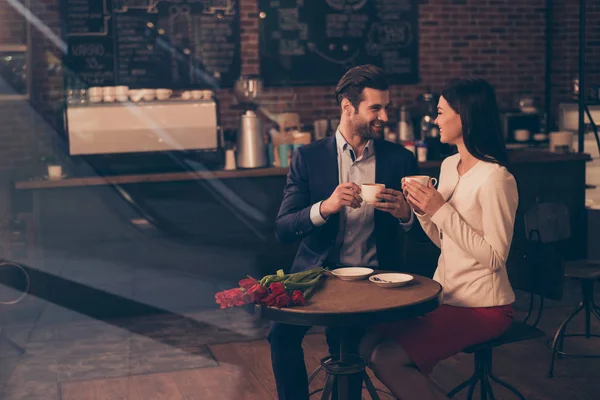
{"x": 315, "y": 215}
{"x": 407, "y": 225}
{"x": 422, "y": 217}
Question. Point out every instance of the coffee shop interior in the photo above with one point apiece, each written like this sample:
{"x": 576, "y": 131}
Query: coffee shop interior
{"x": 146, "y": 150}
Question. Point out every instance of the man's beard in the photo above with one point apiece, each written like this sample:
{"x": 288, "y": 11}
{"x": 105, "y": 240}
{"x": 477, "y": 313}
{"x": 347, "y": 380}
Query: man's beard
{"x": 367, "y": 130}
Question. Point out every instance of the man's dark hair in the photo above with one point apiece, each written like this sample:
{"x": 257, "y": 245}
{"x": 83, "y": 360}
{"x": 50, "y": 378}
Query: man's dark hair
{"x": 356, "y": 79}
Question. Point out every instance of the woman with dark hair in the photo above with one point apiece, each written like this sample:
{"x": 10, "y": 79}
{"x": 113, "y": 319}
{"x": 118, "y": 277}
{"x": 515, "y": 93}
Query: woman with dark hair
{"x": 471, "y": 219}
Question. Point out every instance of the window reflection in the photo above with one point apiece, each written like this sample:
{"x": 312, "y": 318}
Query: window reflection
{"x": 13, "y": 73}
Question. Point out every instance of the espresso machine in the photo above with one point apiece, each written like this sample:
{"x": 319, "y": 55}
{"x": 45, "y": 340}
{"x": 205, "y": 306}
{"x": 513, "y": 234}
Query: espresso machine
{"x": 251, "y": 151}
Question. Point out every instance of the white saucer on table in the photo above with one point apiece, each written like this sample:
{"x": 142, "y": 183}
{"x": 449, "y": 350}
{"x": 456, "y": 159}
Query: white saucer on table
{"x": 352, "y": 273}
{"x": 389, "y": 280}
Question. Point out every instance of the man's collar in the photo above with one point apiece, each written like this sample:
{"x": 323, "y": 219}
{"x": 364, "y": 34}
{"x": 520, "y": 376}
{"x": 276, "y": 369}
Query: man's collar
{"x": 342, "y": 144}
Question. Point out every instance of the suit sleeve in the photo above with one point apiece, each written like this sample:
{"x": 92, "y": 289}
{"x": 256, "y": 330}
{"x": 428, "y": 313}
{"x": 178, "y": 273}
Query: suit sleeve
{"x": 293, "y": 220}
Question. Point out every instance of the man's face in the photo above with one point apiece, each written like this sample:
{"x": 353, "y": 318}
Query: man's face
{"x": 371, "y": 116}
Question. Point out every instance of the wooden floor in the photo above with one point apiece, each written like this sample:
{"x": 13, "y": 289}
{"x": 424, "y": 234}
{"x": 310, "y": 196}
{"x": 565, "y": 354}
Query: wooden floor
{"x": 244, "y": 373}
{"x": 93, "y": 363}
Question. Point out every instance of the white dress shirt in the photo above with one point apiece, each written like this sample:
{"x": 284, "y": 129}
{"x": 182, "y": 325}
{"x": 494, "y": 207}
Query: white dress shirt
{"x": 474, "y": 230}
{"x": 355, "y": 242}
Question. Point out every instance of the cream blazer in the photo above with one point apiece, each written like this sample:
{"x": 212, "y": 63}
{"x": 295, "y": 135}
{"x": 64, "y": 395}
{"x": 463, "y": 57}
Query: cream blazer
{"x": 474, "y": 230}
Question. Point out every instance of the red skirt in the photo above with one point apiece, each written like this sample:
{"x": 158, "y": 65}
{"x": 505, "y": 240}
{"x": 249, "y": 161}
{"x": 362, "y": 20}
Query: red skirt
{"x": 447, "y": 331}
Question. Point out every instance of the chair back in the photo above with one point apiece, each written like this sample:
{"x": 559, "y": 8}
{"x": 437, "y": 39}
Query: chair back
{"x": 536, "y": 264}
{"x": 550, "y": 221}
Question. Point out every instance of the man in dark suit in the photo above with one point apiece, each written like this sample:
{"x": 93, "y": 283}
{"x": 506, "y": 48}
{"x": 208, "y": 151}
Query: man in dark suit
{"x": 322, "y": 206}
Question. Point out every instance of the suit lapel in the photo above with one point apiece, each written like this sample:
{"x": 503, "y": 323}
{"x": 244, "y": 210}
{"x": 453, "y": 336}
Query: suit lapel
{"x": 381, "y": 168}
{"x": 331, "y": 171}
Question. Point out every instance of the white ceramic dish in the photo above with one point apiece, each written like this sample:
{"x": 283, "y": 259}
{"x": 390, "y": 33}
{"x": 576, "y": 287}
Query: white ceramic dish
{"x": 352, "y": 273}
{"x": 391, "y": 279}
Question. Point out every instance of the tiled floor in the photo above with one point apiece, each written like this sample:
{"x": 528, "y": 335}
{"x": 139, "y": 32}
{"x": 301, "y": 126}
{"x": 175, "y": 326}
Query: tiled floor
{"x": 90, "y": 350}
{"x": 217, "y": 345}
{"x": 192, "y": 347}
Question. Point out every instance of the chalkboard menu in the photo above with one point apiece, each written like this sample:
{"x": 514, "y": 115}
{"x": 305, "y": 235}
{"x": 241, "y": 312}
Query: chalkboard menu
{"x": 313, "y": 42}
{"x": 178, "y": 44}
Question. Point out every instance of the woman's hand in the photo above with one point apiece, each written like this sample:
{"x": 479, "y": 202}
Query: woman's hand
{"x": 424, "y": 199}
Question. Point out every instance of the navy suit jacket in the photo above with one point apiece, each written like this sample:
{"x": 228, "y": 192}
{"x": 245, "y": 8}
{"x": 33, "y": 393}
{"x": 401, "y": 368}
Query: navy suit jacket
{"x": 313, "y": 176}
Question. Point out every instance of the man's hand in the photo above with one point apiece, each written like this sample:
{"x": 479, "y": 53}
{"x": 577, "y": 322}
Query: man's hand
{"x": 345, "y": 195}
{"x": 395, "y": 204}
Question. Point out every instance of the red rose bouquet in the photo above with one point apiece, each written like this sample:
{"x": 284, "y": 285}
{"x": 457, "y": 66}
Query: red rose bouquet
{"x": 279, "y": 290}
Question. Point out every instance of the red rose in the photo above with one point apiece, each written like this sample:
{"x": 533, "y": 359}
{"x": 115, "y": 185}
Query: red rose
{"x": 298, "y": 298}
{"x": 269, "y": 301}
{"x": 232, "y": 297}
{"x": 257, "y": 293}
{"x": 283, "y": 300}
{"x": 277, "y": 288}
{"x": 239, "y": 297}
{"x": 223, "y": 299}
{"x": 248, "y": 283}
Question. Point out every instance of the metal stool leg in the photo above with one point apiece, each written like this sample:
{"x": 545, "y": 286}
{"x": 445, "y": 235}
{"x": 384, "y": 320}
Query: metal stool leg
{"x": 509, "y": 387}
{"x": 483, "y": 374}
{"x": 596, "y": 312}
{"x": 368, "y": 384}
{"x": 472, "y": 389}
{"x": 472, "y": 380}
{"x": 484, "y": 364}
{"x": 314, "y": 374}
{"x": 559, "y": 336}
{"x": 370, "y": 387}
{"x": 328, "y": 387}
{"x": 588, "y": 294}
{"x": 490, "y": 391}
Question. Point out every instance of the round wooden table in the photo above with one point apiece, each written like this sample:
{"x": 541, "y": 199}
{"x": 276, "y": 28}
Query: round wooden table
{"x": 350, "y": 304}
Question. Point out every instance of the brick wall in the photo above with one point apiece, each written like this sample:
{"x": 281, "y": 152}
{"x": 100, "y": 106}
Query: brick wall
{"x": 565, "y": 52}
{"x": 12, "y": 27}
{"x": 503, "y": 42}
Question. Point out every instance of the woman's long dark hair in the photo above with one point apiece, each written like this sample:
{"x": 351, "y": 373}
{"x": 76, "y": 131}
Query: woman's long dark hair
{"x": 474, "y": 99}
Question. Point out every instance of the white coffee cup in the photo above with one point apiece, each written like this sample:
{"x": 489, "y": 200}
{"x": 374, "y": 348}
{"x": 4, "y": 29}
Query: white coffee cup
{"x": 149, "y": 94}
{"x": 122, "y": 93}
{"x": 110, "y": 93}
{"x": 422, "y": 179}
{"x": 522, "y": 135}
{"x": 55, "y": 172}
{"x": 368, "y": 191}
{"x": 198, "y": 94}
{"x": 230, "y": 159}
{"x": 163, "y": 94}
{"x": 95, "y": 94}
{"x": 186, "y": 95}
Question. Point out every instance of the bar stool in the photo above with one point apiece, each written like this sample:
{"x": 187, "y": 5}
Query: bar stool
{"x": 332, "y": 369}
{"x": 535, "y": 266}
{"x": 587, "y": 273}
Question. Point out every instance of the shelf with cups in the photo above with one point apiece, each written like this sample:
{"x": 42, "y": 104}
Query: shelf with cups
{"x": 97, "y": 95}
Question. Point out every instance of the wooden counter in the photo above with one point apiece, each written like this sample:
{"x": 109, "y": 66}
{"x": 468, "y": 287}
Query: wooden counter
{"x": 430, "y": 167}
